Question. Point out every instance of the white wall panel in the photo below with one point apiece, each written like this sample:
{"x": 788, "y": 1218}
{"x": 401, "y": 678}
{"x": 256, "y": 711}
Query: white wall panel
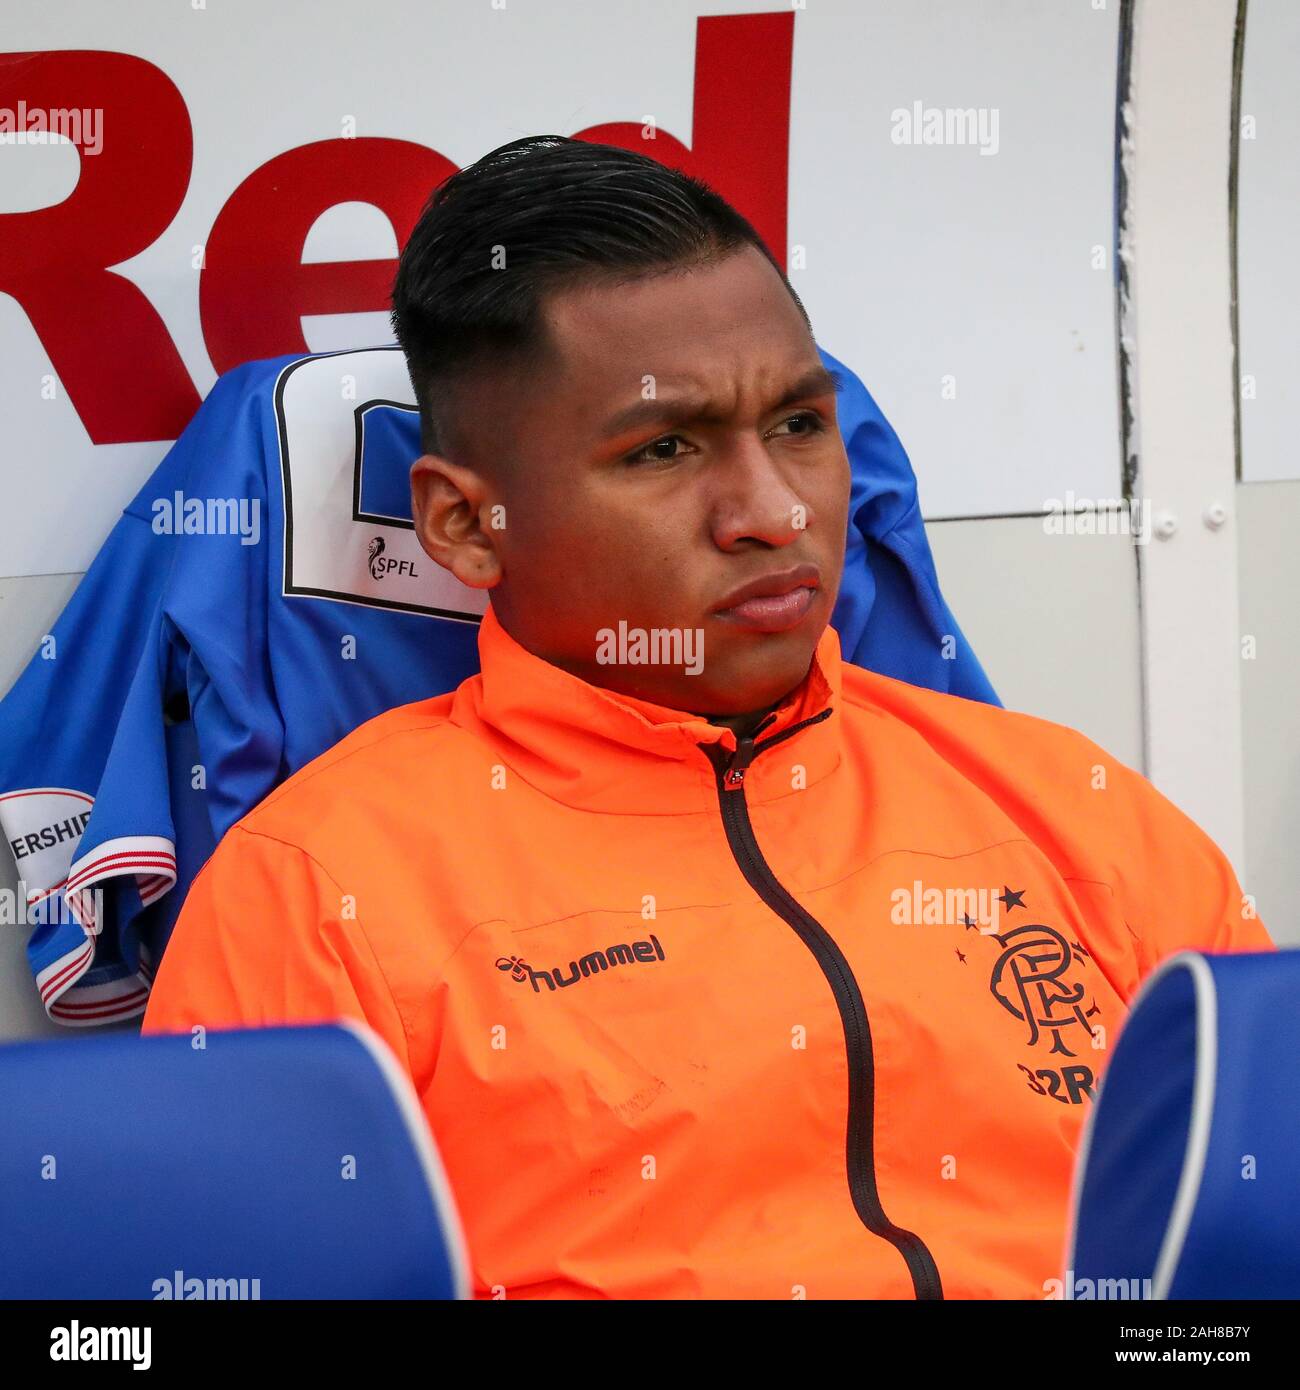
{"x": 1054, "y": 620}
{"x": 969, "y": 284}
{"x": 1269, "y": 521}
{"x": 1268, "y": 212}
{"x": 1177, "y": 240}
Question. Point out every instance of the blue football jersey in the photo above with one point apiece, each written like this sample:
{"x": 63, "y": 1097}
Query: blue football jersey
{"x": 263, "y": 595}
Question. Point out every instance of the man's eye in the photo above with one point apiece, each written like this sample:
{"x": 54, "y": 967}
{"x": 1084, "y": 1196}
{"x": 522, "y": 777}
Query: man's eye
{"x": 653, "y": 452}
{"x": 664, "y": 449}
{"x": 810, "y": 421}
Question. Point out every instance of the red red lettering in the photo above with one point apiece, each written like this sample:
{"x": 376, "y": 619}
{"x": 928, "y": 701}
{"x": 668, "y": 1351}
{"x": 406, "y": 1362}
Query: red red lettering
{"x": 740, "y": 121}
{"x": 255, "y": 288}
{"x": 107, "y": 343}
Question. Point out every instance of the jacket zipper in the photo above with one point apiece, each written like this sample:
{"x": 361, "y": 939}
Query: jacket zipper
{"x": 860, "y": 1139}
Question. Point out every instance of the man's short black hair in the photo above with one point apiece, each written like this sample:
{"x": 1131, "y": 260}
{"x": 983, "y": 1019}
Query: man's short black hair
{"x": 539, "y": 214}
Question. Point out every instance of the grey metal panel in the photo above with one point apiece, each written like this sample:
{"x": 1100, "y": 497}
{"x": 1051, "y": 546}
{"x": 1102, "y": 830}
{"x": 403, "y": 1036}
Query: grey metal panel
{"x": 1269, "y": 517}
{"x": 1053, "y": 619}
{"x": 28, "y": 607}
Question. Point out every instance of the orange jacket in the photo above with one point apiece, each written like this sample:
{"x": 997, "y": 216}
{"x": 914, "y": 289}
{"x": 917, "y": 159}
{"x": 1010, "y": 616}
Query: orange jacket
{"x": 829, "y": 1028}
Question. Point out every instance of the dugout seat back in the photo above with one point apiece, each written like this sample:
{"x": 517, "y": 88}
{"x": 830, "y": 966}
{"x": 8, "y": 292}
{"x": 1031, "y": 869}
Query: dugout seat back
{"x": 266, "y": 1163}
{"x": 1187, "y": 1172}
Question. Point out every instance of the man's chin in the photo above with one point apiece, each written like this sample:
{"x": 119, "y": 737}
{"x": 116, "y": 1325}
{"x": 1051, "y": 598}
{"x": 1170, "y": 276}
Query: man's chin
{"x": 759, "y": 676}
{"x": 719, "y": 670}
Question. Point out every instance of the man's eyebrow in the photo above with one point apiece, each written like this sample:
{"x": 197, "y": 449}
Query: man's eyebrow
{"x": 817, "y": 381}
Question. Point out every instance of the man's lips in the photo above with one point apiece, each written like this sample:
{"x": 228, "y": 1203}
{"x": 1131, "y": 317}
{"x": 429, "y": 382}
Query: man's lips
{"x": 775, "y": 613}
{"x": 773, "y": 603}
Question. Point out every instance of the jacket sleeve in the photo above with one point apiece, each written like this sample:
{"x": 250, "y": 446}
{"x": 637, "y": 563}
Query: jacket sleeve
{"x": 267, "y": 938}
{"x": 156, "y": 666}
{"x": 84, "y": 800}
{"x": 1177, "y": 888}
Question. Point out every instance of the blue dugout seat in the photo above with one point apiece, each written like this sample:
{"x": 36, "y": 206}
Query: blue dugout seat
{"x": 266, "y": 1163}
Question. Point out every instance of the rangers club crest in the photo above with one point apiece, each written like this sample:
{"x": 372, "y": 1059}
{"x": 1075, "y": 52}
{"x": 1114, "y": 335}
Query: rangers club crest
{"x": 1028, "y": 980}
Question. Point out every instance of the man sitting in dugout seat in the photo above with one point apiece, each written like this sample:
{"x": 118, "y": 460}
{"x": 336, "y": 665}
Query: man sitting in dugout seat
{"x": 722, "y": 967}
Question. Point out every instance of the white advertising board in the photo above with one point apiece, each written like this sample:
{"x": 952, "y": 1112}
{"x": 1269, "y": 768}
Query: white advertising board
{"x": 239, "y": 176}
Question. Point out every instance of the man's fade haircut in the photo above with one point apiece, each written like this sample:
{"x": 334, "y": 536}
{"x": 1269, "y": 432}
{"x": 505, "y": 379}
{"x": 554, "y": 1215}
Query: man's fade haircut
{"x": 559, "y": 212}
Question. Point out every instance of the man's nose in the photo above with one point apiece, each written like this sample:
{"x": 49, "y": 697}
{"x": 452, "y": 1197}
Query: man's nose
{"x": 754, "y": 500}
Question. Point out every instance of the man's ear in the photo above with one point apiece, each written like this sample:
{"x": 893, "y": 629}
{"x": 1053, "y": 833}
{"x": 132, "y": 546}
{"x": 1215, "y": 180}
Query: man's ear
{"x": 447, "y": 501}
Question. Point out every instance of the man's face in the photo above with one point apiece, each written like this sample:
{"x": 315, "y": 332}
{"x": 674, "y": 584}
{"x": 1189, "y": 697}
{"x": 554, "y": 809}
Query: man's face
{"x": 678, "y": 443}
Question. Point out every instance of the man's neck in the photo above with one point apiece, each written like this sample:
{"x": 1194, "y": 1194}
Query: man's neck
{"x": 741, "y": 724}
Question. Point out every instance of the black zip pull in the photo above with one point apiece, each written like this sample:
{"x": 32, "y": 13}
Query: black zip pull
{"x": 734, "y": 777}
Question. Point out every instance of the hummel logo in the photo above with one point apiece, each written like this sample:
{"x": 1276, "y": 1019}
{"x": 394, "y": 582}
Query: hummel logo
{"x": 644, "y": 952}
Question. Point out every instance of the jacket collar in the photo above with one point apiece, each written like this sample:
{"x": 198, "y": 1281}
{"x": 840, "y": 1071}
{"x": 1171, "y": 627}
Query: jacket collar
{"x": 596, "y": 750}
